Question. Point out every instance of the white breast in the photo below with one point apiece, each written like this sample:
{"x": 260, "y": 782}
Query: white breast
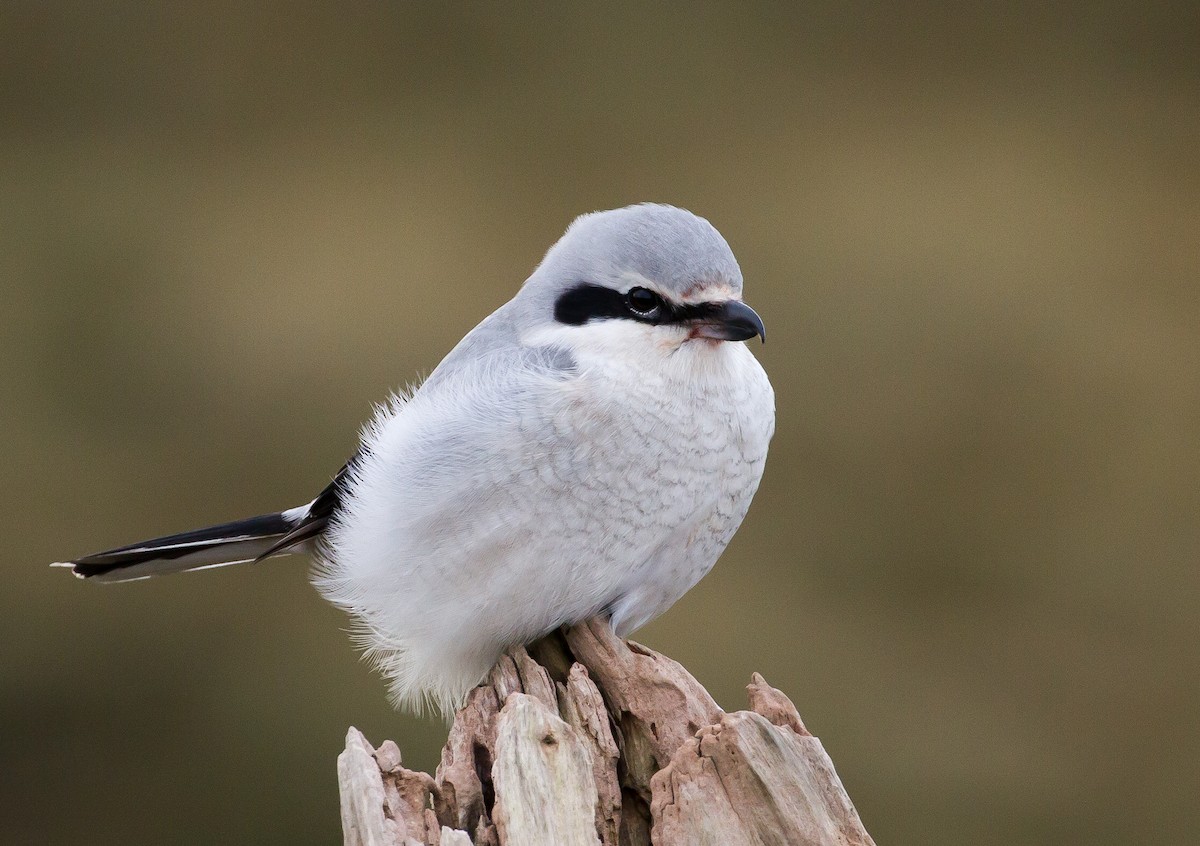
{"x": 510, "y": 501}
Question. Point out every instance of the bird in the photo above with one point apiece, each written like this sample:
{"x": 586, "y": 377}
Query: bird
{"x": 588, "y": 450}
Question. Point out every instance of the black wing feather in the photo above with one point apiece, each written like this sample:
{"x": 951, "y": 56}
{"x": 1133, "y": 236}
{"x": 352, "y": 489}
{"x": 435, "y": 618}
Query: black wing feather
{"x": 319, "y": 513}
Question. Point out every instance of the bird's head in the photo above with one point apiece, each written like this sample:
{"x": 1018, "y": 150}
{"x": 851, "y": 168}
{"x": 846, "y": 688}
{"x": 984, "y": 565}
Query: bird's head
{"x": 643, "y": 275}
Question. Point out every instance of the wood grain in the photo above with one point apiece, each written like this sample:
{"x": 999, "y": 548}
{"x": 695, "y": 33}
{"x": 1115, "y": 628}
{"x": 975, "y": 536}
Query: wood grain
{"x": 603, "y": 742}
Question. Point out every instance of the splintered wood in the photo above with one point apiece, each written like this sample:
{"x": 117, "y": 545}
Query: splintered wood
{"x": 602, "y": 742}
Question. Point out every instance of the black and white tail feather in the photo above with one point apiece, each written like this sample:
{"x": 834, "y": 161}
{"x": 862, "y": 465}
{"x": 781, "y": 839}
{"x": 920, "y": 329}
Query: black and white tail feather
{"x": 251, "y": 540}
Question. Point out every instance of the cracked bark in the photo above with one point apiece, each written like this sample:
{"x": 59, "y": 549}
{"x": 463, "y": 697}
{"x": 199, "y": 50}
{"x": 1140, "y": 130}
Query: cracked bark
{"x": 583, "y": 738}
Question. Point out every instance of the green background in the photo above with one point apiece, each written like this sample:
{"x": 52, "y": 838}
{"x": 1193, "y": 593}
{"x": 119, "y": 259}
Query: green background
{"x": 227, "y": 229}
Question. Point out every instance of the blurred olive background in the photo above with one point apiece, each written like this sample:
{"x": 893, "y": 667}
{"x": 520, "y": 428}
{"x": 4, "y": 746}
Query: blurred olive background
{"x": 227, "y": 229}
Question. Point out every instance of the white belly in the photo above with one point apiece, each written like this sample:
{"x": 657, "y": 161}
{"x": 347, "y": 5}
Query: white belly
{"x": 616, "y": 492}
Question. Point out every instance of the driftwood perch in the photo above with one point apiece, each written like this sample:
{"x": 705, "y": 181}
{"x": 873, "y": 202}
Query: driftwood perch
{"x": 588, "y": 739}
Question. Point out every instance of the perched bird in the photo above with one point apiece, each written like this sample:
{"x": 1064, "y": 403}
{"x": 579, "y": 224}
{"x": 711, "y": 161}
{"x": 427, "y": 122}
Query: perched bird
{"x": 588, "y": 449}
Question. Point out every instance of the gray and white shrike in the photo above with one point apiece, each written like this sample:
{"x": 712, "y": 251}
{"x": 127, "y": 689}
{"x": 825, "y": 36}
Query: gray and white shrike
{"x": 589, "y": 448}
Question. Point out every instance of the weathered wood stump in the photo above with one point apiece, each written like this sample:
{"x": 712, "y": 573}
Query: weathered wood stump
{"x": 587, "y": 739}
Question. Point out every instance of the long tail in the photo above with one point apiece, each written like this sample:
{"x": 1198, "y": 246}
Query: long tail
{"x": 216, "y": 546}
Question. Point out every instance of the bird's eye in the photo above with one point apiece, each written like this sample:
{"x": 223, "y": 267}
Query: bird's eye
{"x": 642, "y": 302}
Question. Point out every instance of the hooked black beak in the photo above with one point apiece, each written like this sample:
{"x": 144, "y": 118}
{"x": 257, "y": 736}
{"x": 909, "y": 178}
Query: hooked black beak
{"x": 731, "y": 320}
